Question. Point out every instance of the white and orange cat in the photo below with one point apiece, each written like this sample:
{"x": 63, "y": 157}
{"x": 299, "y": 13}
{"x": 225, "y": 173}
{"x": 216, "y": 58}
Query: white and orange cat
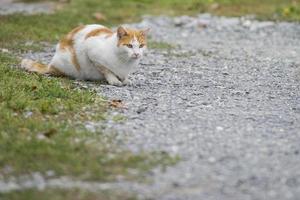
{"x": 94, "y": 52}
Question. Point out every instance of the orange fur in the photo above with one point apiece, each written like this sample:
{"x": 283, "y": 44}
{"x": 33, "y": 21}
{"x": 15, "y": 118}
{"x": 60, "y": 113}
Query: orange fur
{"x": 74, "y": 59}
{"x": 67, "y": 42}
{"x": 67, "y": 54}
{"x": 39, "y": 68}
{"x": 33, "y": 66}
{"x": 99, "y": 31}
{"x": 130, "y": 34}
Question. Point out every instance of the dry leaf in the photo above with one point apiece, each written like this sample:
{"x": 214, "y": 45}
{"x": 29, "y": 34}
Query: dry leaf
{"x": 99, "y": 16}
{"x": 34, "y": 87}
{"x": 49, "y": 133}
{"x": 117, "y": 103}
{"x": 215, "y": 6}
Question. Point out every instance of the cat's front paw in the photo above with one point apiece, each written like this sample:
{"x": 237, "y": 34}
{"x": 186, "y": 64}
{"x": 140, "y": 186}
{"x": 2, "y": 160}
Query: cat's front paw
{"x": 127, "y": 82}
{"x": 114, "y": 81}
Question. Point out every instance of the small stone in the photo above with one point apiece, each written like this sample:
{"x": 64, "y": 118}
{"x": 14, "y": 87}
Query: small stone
{"x": 29, "y": 43}
{"x": 4, "y": 50}
{"x": 247, "y": 23}
{"x": 211, "y": 159}
{"x": 141, "y": 109}
{"x": 39, "y": 181}
{"x": 219, "y": 128}
{"x": 175, "y": 149}
{"x": 50, "y": 173}
{"x": 175, "y": 184}
{"x": 28, "y": 114}
{"x": 41, "y": 137}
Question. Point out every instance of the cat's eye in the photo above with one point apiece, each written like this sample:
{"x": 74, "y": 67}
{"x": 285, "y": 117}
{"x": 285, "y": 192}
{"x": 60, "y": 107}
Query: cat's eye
{"x": 129, "y": 46}
{"x": 142, "y": 45}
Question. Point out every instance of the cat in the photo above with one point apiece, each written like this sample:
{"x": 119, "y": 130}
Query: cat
{"x": 94, "y": 52}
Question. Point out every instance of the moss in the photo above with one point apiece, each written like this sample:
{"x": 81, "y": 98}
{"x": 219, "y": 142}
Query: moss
{"x": 60, "y": 194}
{"x": 119, "y": 118}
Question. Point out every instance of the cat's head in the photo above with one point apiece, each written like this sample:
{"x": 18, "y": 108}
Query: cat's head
{"x": 132, "y": 42}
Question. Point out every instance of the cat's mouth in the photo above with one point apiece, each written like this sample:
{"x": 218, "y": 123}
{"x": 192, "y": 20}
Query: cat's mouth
{"x": 135, "y": 57}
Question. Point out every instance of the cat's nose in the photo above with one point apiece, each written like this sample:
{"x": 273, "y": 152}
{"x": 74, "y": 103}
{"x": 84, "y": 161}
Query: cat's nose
{"x": 136, "y": 55}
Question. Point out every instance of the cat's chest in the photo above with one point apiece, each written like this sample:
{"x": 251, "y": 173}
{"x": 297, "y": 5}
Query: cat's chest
{"x": 122, "y": 69}
{"x": 103, "y": 52}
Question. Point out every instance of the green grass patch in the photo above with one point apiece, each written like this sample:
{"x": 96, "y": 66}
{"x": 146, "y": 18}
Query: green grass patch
{"x": 59, "y": 194}
{"x": 119, "y": 118}
{"x": 287, "y": 10}
{"x": 41, "y": 129}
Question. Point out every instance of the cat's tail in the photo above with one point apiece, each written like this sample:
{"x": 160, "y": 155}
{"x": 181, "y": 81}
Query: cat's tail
{"x": 34, "y": 66}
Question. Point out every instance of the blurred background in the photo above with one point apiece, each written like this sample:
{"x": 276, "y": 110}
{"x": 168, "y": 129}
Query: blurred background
{"x": 61, "y": 15}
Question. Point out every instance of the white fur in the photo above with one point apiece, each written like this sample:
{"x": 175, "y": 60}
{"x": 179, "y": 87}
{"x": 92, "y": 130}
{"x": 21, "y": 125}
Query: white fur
{"x": 98, "y": 51}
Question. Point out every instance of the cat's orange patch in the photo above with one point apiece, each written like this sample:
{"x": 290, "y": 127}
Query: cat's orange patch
{"x": 67, "y": 42}
{"x": 39, "y": 68}
{"x": 44, "y": 69}
{"x": 99, "y": 31}
{"x": 74, "y": 59}
{"x": 131, "y": 34}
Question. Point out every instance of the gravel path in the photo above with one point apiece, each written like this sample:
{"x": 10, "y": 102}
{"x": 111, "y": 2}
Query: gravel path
{"x": 8, "y": 7}
{"x": 227, "y": 100}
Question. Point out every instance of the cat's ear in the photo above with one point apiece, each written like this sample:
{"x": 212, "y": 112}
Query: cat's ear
{"x": 145, "y": 31}
{"x": 121, "y": 32}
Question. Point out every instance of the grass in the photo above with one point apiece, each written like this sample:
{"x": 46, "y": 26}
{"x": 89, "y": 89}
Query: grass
{"x": 119, "y": 118}
{"x": 41, "y": 130}
{"x": 59, "y": 194}
{"x": 17, "y": 29}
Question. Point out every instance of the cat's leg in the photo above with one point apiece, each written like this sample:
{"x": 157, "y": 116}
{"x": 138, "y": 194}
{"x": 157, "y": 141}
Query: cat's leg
{"x": 126, "y": 81}
{"x": 110, "y": 77}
